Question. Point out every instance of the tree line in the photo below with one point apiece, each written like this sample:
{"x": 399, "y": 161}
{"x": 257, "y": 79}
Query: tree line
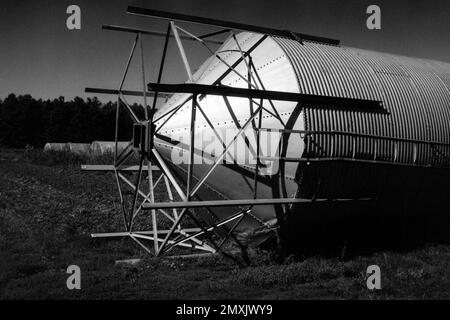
{"x": 27, "y": 121}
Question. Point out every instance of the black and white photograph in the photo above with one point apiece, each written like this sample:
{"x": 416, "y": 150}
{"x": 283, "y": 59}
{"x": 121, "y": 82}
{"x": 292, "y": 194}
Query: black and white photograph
{"x": 224, "y": 156}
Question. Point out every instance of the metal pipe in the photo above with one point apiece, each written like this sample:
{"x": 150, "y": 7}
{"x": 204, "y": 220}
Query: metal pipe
{"x": 128, "y": 63}
{"x": 319, "y": 101}
{"x": 161, "y": 67}
{"x": 226, "y": 24}
{"x": 237, "y": 202}
{"x": 144, "y": 93}
{"x": 181, "y": 50}
{"x": 191, "y": 147}
{"x": 153, "y": 33}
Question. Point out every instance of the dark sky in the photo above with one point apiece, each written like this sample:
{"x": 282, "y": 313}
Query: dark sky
{"x": 40, "y": 56}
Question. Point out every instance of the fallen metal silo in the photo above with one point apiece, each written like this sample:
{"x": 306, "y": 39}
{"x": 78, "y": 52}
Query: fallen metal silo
{"x": 328, "y": 153}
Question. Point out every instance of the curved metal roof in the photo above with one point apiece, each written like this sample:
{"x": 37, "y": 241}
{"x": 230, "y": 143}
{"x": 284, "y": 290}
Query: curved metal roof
{"x": 415, "y": 92}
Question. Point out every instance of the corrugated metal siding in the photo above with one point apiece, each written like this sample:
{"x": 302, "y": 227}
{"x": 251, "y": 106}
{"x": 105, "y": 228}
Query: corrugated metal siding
{"x": 415, "y": 92}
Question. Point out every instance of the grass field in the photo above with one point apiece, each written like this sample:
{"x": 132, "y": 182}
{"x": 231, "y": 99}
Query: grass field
{"x": 48, "y": 210}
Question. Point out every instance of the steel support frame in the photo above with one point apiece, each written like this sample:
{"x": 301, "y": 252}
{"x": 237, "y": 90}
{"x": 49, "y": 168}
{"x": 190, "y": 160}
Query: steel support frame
{"x": 148, "y": 163}
{"x": 200, "y": 237}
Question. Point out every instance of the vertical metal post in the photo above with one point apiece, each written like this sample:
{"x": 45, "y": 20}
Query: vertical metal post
{"x": 249, "y": 75}
{"x": 161, "y": 67}
{"x": 116, "y": 132}
{"x": 191, "y": 147}
{"x": 153, "y": 211}
{"x": 255, "y": 186}
{"x": 250, "y": 105}
{"x": 116, "y": 139}
{"x": 144, "y": 90}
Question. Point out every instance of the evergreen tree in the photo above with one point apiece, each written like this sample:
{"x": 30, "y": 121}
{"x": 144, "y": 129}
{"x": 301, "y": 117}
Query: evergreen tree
{"x": 27, "y": 121}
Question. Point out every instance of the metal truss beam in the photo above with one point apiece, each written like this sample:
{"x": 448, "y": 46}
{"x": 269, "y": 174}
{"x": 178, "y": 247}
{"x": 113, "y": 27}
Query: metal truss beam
{"x": 228, "y": 25}
{"x": 107, "y": 167}
{"x": 123, "y": 92}
{"x": 144, "y": 232}
{"x": 238, "y": 202}
{"x": 307, "y": 99}
{"x": 152, "y": 33}
{"x": 149, "y": 236}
